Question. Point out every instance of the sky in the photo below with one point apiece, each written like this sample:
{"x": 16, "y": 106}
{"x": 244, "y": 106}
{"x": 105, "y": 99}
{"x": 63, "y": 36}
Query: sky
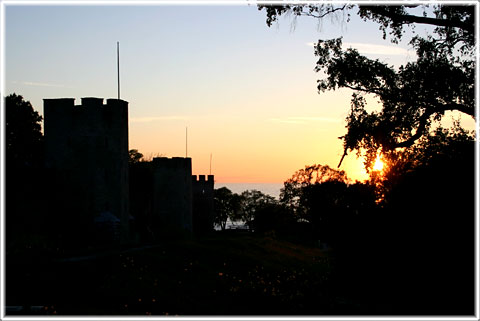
{"x": 246, "y": 92}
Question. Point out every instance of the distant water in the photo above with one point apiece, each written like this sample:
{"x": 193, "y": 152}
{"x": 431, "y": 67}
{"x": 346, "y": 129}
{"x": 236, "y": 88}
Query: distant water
{"x": 272, "y": 189}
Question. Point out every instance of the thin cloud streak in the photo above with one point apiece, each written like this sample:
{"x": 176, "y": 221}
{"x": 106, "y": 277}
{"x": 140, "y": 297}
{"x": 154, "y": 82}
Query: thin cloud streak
{"x": 155, "y": 118}
{"x": 39, "y": 84}
{"x": 368, "y": 48}
{"x": 372, "y": 49}
{"x": 303, "y": 120}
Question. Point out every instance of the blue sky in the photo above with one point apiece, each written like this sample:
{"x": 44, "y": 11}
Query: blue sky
{"x": 246, "y": 92}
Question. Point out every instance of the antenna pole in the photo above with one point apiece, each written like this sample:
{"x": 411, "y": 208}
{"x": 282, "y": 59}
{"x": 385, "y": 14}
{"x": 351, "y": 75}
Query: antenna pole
{"x": 186, "y": 142}
{"x": 210, "y": 163}
{"x": 118, "y": 70}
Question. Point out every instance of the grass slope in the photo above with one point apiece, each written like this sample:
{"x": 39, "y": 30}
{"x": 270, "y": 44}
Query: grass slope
{"x": 239, "y": 274}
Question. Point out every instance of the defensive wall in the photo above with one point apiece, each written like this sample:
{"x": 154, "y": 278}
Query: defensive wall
{"x": 166, "y": 198}
{"x": 203, "y": 203}
{"x": 86, "y": 155}
{"x": 86, "y": 152}
{"x": 172, "y": 192}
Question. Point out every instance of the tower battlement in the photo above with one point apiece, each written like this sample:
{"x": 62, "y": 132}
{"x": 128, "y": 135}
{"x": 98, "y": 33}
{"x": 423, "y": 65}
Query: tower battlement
{"x": 201, "y": 178}
{"x": 67, "y": 103}
{"x": 203, "y": 192}
{"x": 92, "y": 102}
{"x": 172, "y": 192}
{"x": 174, "y": 162}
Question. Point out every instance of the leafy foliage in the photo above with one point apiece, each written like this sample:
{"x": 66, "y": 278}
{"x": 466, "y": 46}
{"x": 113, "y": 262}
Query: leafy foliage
{"x": 430, "y": 209}
{"x": 134, "y": 156}
{"x": 256, "y": 209}
{"x": 23, "y": 133}
{"x": 335, "y": 209}
{"x": 325, "y": 199}
{"x": 414, "y": 95}
{"x": 252, "y": 202}
{"x": 25, "y": 178}
{"x": 293, "y": 188}
{"x": 441, "y": 145}
{"x": 226, "y": 206}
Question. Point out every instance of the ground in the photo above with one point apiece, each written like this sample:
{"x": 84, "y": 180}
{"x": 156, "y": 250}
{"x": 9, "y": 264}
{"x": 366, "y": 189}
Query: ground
{"x": 225, "y": 274}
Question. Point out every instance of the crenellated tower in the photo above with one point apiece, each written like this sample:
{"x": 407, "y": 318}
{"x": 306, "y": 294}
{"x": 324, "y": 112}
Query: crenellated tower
{"x": 172, "y": 193}
{"x": 86, "y": 152}
{"x": 203, "y": 203}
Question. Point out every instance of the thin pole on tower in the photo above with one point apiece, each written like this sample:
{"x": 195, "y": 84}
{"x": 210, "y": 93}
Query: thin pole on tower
{"x": 118, "y": 70}
{"x": 186, "y": 142}
{"x": 210, "y": 163}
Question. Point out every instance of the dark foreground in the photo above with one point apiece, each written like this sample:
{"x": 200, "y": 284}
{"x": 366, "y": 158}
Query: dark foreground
{"x": 225, "y": 274}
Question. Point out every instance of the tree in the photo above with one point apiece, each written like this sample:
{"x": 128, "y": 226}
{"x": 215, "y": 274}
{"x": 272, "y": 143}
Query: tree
{"x": 326, "y": 200}
{"x": 430, "y": 210}
{"x": 25, "y": 179}
{"x": 441, "y": 148}
{"x": 24, "y": 137}
{"x": 134, "y": 156}
{"x": 413, "y": 96}
{"x": 252, "y": 202}
{"x": 293, "y": 189}
{"x": 226, "y": 206}
{"x": 273, "y": 216}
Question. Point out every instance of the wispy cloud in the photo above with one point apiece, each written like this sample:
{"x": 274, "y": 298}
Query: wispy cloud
{"x": 39, "y": 84}
{"x": 368, "y": 48}
{"x": 155, "y": 118}
{"x": 303, "y": 120}
{"x": 372, "y": 49}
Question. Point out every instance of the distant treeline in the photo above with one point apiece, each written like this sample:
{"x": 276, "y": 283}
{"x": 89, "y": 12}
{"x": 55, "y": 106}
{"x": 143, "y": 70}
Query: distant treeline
{"x": 407, "y": 231}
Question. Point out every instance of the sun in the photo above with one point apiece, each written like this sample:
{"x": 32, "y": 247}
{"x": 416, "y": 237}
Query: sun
{"x": 378, "y": 166}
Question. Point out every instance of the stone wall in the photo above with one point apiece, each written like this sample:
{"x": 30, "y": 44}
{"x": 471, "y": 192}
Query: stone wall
{"x": 86, "y": 152}
{"x": 203, "y": 204}
{"x": 172, "y": 192}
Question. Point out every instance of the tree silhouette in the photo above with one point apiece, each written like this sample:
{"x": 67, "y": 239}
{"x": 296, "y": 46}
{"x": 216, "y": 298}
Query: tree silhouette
{"x": 226, "y": 206}
{"x": 134, "y": 156}
{"x": 23, "y": 133}
{"x": 430, "y": 209}
{"x": 413, "y": 96}
{"x": 25, "y": 179}
{"x": 292, "y": 192}
{"x": 441, "y": 143}
{"x": 252, "y": 201}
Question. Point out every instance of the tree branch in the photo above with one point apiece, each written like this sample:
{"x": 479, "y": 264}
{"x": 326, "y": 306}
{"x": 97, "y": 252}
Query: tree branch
{"x": 461, "y": 108}
{"x": 424, "y": 118}
{"x": 419, "y": 132}
{"x": 343, "y": 156}
{"x": 406, "y": 19}
{"x": 310, "y": 14}
{"x": 375, "y": 91}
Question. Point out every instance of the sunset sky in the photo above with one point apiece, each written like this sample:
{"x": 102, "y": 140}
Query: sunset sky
{"x": 246, "y": 92}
